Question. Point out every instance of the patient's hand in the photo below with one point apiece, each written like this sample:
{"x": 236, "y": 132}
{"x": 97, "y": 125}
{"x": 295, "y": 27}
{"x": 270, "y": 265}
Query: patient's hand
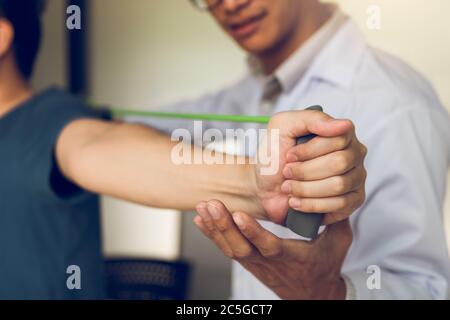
{"x": 326, "y": 175}
{"x": 293, "y": 269}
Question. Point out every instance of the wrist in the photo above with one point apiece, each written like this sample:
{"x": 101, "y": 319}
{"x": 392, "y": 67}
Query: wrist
{"x": 253, "y": 190}
{"x": 329, "y": 290}
{"x": 338, "y": 290}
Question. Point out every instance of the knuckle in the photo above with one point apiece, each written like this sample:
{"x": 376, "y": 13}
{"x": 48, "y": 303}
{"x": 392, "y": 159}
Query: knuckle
{"x": 362, "y": 197}
{"x": 209, "y": 226}
{"x": 345, "y": 202}
{"x": 364, "y": 173}
{"x": 222, "y": 225}
{"x": 273, "y": 250}
{"x": 340, "y": 185}
{"x": 271, "y": 254}
{"x": 228, "y": 254}
{"x": 352, "y": 125}
{"x": 317, "y": 114}
{"x": 242, "y": 253}
{"x": 341, "y": 162}
{"x": 364, "y": 150}
{"x": 341, "y": 143}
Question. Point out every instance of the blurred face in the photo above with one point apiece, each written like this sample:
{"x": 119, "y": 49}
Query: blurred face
{"x": 258, "y": 26}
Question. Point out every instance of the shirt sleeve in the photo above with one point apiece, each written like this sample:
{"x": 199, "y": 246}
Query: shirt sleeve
{"x": 399, "y": 249}
{"x": 53, "y": 112}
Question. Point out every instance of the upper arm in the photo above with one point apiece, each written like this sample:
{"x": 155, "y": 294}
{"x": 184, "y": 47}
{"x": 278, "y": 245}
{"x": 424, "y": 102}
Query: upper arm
{"x": 73, "y": 140}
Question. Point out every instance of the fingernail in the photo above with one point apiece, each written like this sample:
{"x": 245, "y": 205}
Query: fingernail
{"x": 238, "y": 220}
{"x": 286, "y": 187}
{"x": 214, "y": 212}
{"x": 200, "y": 205}
{"x": 197, "y": 220}
{"x": 294, "y": 202}
{"x": 287, "y": 172}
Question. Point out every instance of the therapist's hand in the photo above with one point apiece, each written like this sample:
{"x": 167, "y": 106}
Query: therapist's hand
{"x": 293, "y": 269}
{"x": 326, "y": 175}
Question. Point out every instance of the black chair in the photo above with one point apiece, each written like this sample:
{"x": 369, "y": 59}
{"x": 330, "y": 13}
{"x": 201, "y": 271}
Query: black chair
{"x": 147, "y": 280}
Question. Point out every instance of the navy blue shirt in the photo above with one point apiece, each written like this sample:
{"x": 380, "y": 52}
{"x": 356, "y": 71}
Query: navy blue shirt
{"x": 46, "y": 223}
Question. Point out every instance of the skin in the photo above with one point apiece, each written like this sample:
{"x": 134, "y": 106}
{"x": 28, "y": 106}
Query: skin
{"x": 278, "y": 28}
{"x": 293, "y": 269}
{"x": 130, "y": 161}
{"x": 272, "y": 31}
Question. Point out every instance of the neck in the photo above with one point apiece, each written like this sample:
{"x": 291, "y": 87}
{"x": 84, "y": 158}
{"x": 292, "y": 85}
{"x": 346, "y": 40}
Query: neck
{"x": 14, "y": 90}
{"x": 313, "y": 17}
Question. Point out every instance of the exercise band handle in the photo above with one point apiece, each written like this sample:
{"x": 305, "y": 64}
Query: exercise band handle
{"x": 305, "y": 224}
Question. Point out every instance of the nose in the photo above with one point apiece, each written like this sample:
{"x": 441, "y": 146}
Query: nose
{"x": 231, "y": 6}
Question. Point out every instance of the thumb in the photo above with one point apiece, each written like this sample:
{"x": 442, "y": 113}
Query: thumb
{"x": 340, "y": 234}
{"x": 294, "y": 124}
{"x": 331, "y": 127}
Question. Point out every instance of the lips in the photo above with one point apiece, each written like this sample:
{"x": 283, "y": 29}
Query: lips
{"x": 245, "y": 27}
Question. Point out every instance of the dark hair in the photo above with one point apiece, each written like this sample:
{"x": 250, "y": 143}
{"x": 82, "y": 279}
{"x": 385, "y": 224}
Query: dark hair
{"x": 25, "y": 17}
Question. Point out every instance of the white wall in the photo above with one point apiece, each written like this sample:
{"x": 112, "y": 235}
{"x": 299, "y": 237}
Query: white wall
{"x": 51, "y": 63}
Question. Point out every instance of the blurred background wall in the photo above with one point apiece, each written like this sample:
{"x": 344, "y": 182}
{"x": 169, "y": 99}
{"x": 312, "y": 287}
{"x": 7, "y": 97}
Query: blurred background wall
{"x": 148, "y": 53}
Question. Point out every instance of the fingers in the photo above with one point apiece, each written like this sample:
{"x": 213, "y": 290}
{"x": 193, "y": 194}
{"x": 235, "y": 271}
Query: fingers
{"x": 267, "y": 244}
{"x": 206, "y": 225}
{"x": 338, "y": 207}
{"x": 222, "y": 230}
{"x": 239, "y": 236}
{"x": 329, "y": 165}
{"x": 332, "y": 127}
{"x": 294, "y": 124}
{"x": 335, "y": 216}
{"x": 329, "y": 187}
{"x": 319, "y": 146}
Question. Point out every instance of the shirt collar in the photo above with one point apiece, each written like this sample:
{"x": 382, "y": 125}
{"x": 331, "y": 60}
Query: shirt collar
{"x": 331, "y": 54}
{"x": 293, "y": 69}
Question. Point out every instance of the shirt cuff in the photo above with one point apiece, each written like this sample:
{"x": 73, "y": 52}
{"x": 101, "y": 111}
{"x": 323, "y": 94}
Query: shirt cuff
{"x": 350, "y": 288}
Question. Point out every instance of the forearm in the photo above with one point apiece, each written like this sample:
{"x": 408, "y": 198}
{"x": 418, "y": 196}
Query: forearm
{"x": 135, "y": 163}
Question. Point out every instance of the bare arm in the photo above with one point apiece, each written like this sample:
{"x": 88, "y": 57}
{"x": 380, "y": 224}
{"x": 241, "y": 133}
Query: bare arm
{"x": 133, "y": 162}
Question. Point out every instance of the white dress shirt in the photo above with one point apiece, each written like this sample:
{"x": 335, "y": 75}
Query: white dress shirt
{"x": 407, "y": 131}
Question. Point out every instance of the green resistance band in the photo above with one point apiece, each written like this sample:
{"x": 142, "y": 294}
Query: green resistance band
{"x": 304, "y": 224}
{"x": 120, "y": 113}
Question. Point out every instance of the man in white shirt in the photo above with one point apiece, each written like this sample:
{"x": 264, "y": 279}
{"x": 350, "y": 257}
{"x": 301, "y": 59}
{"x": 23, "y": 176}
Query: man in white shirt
{"x": 307, "y": 53}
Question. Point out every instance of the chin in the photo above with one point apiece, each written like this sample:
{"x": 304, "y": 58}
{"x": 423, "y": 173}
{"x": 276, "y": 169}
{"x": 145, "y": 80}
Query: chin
{"x": 255, "y": 45}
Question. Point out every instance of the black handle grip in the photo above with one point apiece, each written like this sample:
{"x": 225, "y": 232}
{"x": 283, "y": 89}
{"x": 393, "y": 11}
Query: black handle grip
{"x": 305, "y": 224}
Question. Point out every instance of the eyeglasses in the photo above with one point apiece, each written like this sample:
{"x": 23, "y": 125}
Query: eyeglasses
{"x": 205, "y": 5}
